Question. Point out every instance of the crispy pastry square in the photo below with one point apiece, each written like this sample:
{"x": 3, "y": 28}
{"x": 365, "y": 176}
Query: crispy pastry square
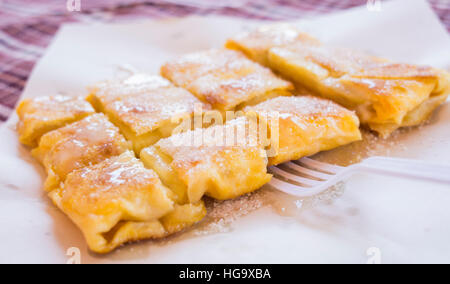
{"x": 38, "y": 116}
{"x": 77, "y": 145}
{"x": 305, "y": 125}
{"x": 212, "y": 161}
{"x": 255, "y": 44}
{"x": 385, "y": 95}
{"x": 146, "y": 108}
{"x": 118, "y": 201}
{"x": 226, "y": 79}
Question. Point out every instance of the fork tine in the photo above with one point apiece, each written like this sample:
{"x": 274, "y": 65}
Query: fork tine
{"x": 296, "y": 190}
{"x": 288, "y": 187}
{"x": 329, "y": 176}
{"x": 289, "y": 176}
{"x": 332, "y": 169}
{"x": 303, "y": 170}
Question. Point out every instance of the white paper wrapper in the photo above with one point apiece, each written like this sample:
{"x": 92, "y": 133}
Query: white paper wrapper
{"x": 376, "y": 219}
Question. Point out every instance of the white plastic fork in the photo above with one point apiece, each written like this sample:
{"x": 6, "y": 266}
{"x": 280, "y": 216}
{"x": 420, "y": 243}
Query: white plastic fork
{"x": 308, "y": 177}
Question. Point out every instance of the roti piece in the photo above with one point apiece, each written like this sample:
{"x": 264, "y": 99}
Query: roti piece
{"x": 305, "y": 125}
{"x": 77, "y": 145}
{"x": 225, "y": 79}
{"x": 223, "y": 162}
{"x": 256, "y": 44}
{"x": 146, "y": 108}
{"x": 40, "y": 115}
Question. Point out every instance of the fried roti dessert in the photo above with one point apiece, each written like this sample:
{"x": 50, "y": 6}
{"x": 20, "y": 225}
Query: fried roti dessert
{"x": 225, "y": 79}
{"x": 77, "y": 145}
{"x": 305, "y": 125}
{"x": 385, "y": 95}
{"x": 95, "y": 178}
{"x": 223, "y": 162}
{"x": 118, "y": 201}
{"x": 146, "y": 108}
{"x": 40, "y": 115}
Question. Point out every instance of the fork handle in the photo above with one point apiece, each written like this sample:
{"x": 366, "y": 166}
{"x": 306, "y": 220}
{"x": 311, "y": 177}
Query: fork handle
{"x": 407, "y": 168}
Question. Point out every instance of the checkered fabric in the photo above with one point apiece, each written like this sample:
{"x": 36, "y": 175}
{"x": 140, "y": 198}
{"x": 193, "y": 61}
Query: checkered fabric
{"x": 27, "y": 26}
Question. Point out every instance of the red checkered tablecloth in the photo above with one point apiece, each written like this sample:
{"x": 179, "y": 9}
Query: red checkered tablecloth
{"x": 27, "y": 27}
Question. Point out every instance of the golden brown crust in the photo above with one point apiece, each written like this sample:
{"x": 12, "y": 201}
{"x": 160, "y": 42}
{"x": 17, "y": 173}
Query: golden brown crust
{"x": 146, "y": 104}
{"x": 216, "y": 166}
{"x": 83, "y": 143}
{"x": 307, "y": 125}
{"x": 256, "y": 43}
{"x": 145, "y": 107}
{"x": 113, "y": 201}
{"x": 40, "y": 115}
{"x": 223, "y": 78}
